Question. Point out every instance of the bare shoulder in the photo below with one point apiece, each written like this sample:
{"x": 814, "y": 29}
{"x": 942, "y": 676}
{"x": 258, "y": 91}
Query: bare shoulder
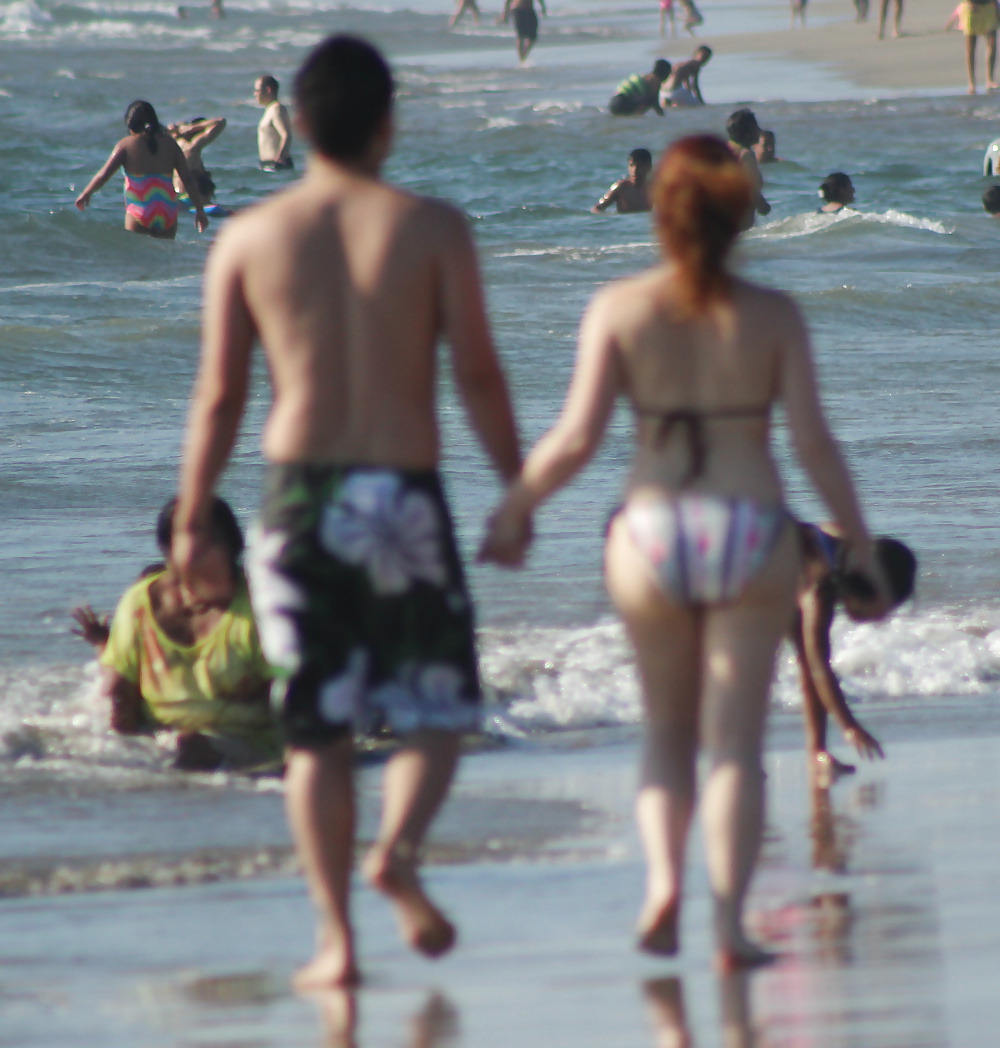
{"x": 444, "y": 223}
{"x": 778, "y": 309}
{"x": 625, "y": 304}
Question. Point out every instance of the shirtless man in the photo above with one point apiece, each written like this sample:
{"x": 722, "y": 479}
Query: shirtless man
{"x": 274, "y": 132}
{"x": 681, "y": 88}
{"x": 743, "y": 132}
{"x": 363, "y": 613}
{"x": 632, "y": 193}
{"x": 525, "y": 23}
{"x": 639, "y": 92}
{"x": 192, "y": 137}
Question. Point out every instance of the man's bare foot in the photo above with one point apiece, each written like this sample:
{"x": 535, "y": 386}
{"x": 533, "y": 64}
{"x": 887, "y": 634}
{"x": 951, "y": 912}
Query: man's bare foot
{"x": 332, "y": 968}
{"x": 745, "y": 955}
{"x": 422, "y": 925}
{"x": 658, "y": 930}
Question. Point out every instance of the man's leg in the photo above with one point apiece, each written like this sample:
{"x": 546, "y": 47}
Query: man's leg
{"x": 319, "y": 799}
{"x": 416, "y": 783}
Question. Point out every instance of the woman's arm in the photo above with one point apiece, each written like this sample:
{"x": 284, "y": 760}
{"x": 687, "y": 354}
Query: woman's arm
{"x": 571, "y": 442}
{"x": 111, "y": 165}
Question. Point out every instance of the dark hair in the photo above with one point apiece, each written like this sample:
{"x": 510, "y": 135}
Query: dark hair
{"x": 343, "y": 92}
{"x": 900, "y": 567}
{"x": 141, "y": 117}
{"x": 835, "y": 186}
{"x": 991, "y": 200}
{"x": 742, "y": 128}
{"x": 641, "y": 156}
{"x": 662, "y": 69}
{"x": 705, "y": 50}
{"x": 223, "y": 527}
{"x": 268, "y": 83}
{"x": 701, "y": 196}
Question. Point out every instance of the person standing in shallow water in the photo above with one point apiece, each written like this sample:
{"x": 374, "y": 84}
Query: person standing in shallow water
{"x": 525, "y": 23}
{"x": 149, "y": 158}
{"x": 630, "y": 194}
{"x": 363, "y": 613}
{"x": 702, "y": 559}
{"x": 274, "y": 132}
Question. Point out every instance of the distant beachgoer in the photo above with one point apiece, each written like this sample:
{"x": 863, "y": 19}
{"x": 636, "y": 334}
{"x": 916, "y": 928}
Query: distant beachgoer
{"x": 837, "y": 192}
{"x": 274, "y": 132}
{"x": 193, "y": 137}
{"x": 799, "y": 12}
{"x": 978, "y": 18}
{"x": 702, "y": 560}
{"x": 149, "y": 158}
{"x": 217, "y": 10}
{"x": 860, "y": 10}
{"x": 744, "y": 133}
{"x": 194, "y": 669}
{"x": 463, "y": 6}
{"x": 640, "y": 92}
{"x": 896, "y": 19}
{"x": 349, "y": 284}
{"x": 823, "y": 584}
{"x": 632, "y": 193}
{"x": 525, "y": 23}
{"x": 991, "y": 200}
{"x": 682, "y": 87}
{"x": 692, "y": 16}
{"x": 667, "y": 11}
{"x": 764, "y": 148}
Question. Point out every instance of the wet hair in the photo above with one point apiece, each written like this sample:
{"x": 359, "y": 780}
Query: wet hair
{"x": 704, "y": 50}
{"x": 343, "y": 92}
{"x": 641, "y": 158}
{"x": 268, "y": 83}
{"x": 991, "y": 200}
{"x": 742, "y": 128}
{"x": 222, "y": 523}
{"x": 899, "y": 566}
{"x": 767, "y": 137}
{"x": 835, "y": 187}
{"x": 662, "y": 69}
{"x": 701, "y": 196}
{"x": 140, "y": 117}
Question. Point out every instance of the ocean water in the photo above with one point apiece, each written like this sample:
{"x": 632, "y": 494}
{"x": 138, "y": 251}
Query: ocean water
{"x": 99, "y": 343}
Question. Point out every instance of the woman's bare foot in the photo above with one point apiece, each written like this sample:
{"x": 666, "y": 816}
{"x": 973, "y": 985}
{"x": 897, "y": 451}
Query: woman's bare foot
{"x": 658, "y": 929}
{"x": 422, "y": 925}
{"x": 333, "y": 967}
{"x": 745, "y": 955}
{"x": 826, "y": 769}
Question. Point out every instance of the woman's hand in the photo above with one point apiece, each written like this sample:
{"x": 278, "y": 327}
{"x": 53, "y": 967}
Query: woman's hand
{"x": 508, "y": 536}
{"x": 864, "y": 742}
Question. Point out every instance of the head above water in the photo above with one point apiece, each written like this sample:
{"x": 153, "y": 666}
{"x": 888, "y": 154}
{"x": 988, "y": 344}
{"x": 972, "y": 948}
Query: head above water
{"x": 765, "y": 145}
{"x": 640, "y": 159}
{"x": 662, "y": 69}
{"x": 141, "y": 119}
{"x": 224, "y": 529}
{"x": 742, "y": 128}
{"x": 991, "y": 200}
{"x": 837, "y": 188}
{"x": 343, "y": 94}
{"x": 701, "y": 196}
{"x": 265, "y": 87}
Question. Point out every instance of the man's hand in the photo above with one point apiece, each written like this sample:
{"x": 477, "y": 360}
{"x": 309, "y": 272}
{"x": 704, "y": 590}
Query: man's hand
{"x": 93, "y": 628}
{"x": 205, "y": 573}
{"x": 508, "y": 536}
{"x": 201, "y": 221}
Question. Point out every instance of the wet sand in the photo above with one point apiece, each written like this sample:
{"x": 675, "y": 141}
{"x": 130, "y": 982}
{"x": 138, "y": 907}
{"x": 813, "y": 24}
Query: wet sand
{"x": 880, "y": 894}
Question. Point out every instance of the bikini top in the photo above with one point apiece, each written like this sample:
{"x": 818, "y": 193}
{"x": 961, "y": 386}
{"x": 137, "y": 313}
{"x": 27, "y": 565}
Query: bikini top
{"x": 693, "y": 422}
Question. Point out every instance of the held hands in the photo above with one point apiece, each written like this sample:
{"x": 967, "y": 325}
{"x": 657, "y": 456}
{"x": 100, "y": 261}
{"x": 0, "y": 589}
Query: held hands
{"x": 508, "y": 535}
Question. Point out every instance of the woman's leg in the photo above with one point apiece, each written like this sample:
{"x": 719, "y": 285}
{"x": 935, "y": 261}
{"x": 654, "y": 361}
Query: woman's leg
{"x": 739, "y": 645}
{"x": 970, "y": 61}
{"x": 667, "y": 642}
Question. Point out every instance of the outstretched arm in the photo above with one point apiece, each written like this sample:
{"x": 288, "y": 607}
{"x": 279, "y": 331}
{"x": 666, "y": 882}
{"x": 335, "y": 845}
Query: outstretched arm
{"x": 111, "y": 165}
{"x": 228, "y": 333}
{"x": 570, "y": 444}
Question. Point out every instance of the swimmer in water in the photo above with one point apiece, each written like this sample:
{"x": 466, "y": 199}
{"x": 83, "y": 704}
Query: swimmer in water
{"x": 837, "y": 192}
{"x": 640, "y": 92}
{"x": 823, "y": 584}
{"x": 764, "y": 149}
{"x": 743, "y": 133}
{"x": 991, "y": 201}
{"x": 193, "y": 137}
{"x": 632, "y": 193}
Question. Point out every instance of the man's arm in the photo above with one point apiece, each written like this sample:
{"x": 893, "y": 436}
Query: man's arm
{"x": 608, "y": 199}
{"x": 696, "y": 85}
{"x": 208, "y": 132}
{"x": 126, "y": 703}
{"x": 220, "y": 390}
{"x": 749, "y": 161}
{"x": 478, "y": 375}
{"x": 283, "y": 125}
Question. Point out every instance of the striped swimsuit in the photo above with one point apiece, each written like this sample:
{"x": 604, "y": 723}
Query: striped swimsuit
{"x": 151, "y": 201}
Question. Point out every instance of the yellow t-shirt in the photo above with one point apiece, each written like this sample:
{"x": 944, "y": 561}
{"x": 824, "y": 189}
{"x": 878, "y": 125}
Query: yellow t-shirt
{"x": 195, "y": 688}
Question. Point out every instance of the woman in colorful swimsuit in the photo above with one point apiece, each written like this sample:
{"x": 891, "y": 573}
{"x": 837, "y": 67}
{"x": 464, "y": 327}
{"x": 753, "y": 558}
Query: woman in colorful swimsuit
{"x": 702, "y": 559}
{"x": 149, "y": 156}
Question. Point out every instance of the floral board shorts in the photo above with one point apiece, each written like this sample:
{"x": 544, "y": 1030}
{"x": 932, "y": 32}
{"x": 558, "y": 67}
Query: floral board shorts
{"x": 361, "y": 603}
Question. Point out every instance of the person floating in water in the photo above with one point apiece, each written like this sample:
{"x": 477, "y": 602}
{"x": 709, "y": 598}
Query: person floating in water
{"x": 149, "y": 158}
{"x": 274, "y": 132}
{"x": 525, "y": 23}
{"x": 192, "y": 668}
{"x": 193, "y": 137}
{"x": 991, "y": 201}
{"x": 631, "y": 193}
{"x": 682, "y": 88}
{"x": 743, "y": 132}
{"x": 823, "y": 584}
{"x": 640, "y": 92}
{"x": 837, "y": 192}
{"x": 349, "y": 284}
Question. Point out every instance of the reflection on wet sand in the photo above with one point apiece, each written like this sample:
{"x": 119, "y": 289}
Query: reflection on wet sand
{"x": 433, "y": 1026}
{"x": 665, "y": 998}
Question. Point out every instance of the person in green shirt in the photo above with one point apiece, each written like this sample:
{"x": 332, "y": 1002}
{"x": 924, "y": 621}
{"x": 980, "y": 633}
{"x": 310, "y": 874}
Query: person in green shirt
{"x": 193, "y": 668}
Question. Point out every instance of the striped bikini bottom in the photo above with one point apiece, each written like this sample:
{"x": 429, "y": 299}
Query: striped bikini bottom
{"x": 704, "y": 549}
{"x": 151, "y": 201}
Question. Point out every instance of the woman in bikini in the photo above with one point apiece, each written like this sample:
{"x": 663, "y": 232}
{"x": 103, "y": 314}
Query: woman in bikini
{"x": 149, "y": 156}
{"x": 702, "y": 559}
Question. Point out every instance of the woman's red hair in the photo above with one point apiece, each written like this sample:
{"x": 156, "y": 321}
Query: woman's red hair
{"x": 701, "y": 198}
